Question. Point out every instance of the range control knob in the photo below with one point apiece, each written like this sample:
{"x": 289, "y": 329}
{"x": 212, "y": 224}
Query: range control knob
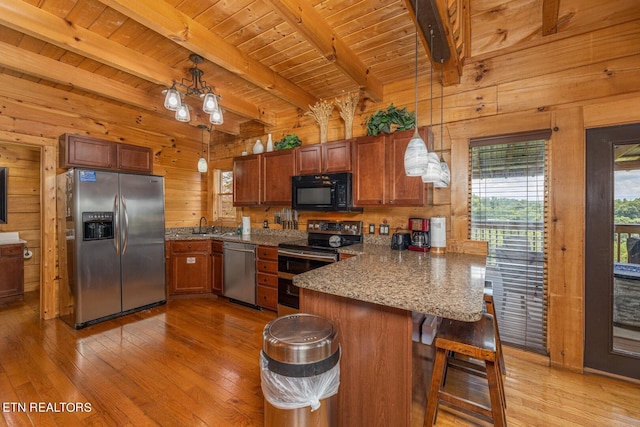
{"x": 335, "y": 241}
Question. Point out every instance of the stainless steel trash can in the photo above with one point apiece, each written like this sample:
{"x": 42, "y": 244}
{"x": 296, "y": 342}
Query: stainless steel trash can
{"x": 300, "y": 370}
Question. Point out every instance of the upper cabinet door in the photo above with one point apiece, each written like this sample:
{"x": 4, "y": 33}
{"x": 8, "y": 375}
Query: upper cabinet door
{"x": 369, "y": 171}
{"x": 79, "y": 151}
{"x": 135, "y": 159}
{"x": 403, "y": 190}
{"x": 277, "y": 170}
{"x": 246, "y": 180}
{"x": 308, "y": 159}
{"x": 336, "y": 156}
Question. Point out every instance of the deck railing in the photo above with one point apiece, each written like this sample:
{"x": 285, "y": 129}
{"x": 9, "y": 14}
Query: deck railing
{"x": 621, "y": 232}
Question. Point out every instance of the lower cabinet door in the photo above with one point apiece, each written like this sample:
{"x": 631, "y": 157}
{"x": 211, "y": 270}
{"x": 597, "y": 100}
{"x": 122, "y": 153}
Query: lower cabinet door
{"x": 267, "y": 297}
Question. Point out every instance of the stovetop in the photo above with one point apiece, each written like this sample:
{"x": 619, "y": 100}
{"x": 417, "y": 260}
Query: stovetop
{"x": 328, "y": 236}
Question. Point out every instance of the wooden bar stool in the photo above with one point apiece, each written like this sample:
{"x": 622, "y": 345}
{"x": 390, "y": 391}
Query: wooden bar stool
{"x": 475, "y": 340}
{"x": 490, "y": 308}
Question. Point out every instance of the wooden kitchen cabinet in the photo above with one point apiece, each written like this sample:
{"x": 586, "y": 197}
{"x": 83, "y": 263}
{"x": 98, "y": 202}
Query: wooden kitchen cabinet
{"x": 402, "y": 190}
{"x": 379, "y": 177}
{"x": 267, "y": 283}
{"x": 330, "y": 157}
{"x": 132, "y": 158}
{"x": 369, "y": 171}
{"x": 217, "y": 277}
{"x": 247, "y": 171}
{"x": 86, "y": 152}
{"x": 190, "y": 267}
{"x": 277, "y": 169}
{"x": 11, "y": 272}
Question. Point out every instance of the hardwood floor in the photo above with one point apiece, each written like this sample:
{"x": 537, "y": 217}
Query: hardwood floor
{"x": 194, "y": 361}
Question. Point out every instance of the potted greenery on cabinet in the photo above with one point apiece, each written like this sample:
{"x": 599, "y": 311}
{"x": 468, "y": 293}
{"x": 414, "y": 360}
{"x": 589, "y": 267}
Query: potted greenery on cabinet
{"x": 390, "y": 120}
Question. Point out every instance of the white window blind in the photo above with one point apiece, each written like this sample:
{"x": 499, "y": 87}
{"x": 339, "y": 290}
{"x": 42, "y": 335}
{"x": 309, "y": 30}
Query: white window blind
{"x": 508, "y": 209}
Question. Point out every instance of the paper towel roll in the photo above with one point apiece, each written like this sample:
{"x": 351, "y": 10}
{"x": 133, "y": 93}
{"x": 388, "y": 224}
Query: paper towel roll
{"x": 438, "y": 234}
{"x": 246, "y": 225}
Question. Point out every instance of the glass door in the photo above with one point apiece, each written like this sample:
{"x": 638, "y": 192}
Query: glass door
{"x": 612, "y": 317}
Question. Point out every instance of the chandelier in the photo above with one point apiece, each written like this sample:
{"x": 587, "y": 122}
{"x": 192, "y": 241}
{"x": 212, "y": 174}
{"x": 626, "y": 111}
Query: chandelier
{"x": 174, "y": 99}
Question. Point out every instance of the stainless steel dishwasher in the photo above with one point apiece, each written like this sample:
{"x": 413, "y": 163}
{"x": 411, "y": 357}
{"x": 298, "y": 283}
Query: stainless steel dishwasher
{"x": 240, "y": 272}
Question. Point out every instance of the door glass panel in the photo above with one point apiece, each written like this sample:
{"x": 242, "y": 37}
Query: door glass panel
{"x": 626, "y": 250}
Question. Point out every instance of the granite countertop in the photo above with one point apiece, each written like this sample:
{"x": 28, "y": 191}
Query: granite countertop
{"x": 260, "y": 237}
{"x": 449, "y": 285}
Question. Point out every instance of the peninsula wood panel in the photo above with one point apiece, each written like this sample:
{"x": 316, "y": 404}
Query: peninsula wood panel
{"x": 376, "y": 352}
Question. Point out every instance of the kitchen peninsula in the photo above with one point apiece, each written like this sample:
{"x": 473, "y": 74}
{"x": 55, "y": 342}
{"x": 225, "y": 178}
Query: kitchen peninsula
{"x": 370, "y": 299}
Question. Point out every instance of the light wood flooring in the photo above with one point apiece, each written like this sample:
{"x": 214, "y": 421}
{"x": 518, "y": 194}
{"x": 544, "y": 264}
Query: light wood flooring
{"x": 194, "y": 361}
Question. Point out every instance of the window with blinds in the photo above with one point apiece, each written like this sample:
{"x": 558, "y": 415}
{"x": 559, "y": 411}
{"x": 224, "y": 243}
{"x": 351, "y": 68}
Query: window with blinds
{"x": 508, "y": 209}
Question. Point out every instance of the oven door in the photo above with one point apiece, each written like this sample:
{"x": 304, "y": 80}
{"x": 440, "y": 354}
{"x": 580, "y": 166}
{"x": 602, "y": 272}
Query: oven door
{"x": 292, "y": 262}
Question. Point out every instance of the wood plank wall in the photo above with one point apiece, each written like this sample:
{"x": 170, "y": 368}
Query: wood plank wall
{"x": 572, "y": 83}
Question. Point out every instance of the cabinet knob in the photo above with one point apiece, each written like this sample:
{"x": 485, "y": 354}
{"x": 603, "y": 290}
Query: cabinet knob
{"x": 391, "y": 201}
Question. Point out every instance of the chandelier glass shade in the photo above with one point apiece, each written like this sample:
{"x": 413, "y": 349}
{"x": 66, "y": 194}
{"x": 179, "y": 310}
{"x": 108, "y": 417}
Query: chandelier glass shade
{"x": 174, "y": 99}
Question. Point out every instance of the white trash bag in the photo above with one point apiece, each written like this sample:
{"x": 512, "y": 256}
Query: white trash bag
{"x": 285, "y": 392}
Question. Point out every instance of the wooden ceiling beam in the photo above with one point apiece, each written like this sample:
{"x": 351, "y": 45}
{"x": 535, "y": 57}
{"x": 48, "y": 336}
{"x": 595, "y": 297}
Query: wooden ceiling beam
{"x": 550, "y": 11}
{"x": 454, "y": 22}
{"x": 164, "y": 19}
{"x": 302, "y": 16}
{"x": 21, "y": 16}
{"x": 49, "y": 69}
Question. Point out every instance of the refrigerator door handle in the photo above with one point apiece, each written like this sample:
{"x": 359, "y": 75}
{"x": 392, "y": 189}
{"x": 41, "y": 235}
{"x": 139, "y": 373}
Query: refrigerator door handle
{"x": 125, "y": 241}
{"x": 116, "y": 210}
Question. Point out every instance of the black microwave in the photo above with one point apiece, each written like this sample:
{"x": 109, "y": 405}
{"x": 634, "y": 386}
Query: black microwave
{"x": 330, "y": 192}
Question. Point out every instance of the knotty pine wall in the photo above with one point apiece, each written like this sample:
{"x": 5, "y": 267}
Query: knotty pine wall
{"x": 570, "y": 84}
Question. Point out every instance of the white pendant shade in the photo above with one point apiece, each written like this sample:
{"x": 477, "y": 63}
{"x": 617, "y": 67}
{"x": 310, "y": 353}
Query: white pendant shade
{"x": 172, "y": 100}
{"x": 445, "y": 176}
{"x": 216, "y": 118}
{"x": 182, "y": 113}
{"x": 202, "y": 165}
{"x": 416, "y": 156}
{"x": 210, "y": 104}
{"x": 433, "y": 170}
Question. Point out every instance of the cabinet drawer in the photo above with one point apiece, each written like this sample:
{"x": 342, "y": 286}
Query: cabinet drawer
{"x": 216, "y": 246}
{"x": 267, "y": 297}
{"x": 191, "y": 246}
{"x": 268, "y": 266}
{"x": 268, "y": 252}
{"x": 16, "y": 250}
{"x": 268, "y": 280}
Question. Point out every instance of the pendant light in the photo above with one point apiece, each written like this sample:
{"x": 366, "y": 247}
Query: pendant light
{"x": 202, "y": 163}
{"x": 445, "y": 176}
{"x": 433, "y": 170}
{"x": 416, "y": 154}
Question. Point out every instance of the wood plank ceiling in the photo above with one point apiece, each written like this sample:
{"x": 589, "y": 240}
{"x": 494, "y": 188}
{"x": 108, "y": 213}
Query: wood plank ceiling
{"x": 264, "y": 57}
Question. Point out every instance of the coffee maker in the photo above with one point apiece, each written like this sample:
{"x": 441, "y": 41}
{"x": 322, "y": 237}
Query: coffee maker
{"x": 419, "y": 228}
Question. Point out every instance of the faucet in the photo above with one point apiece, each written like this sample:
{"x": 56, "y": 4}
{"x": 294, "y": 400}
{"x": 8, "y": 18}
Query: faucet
{"x": 200, "y": 226}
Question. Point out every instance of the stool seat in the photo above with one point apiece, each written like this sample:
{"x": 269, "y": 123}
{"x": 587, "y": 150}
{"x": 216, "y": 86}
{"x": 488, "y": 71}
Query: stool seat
{"x": 476, "y": 340}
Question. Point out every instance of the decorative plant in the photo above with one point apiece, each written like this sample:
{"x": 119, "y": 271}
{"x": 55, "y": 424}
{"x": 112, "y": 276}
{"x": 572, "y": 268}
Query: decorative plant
{"x": 321, "y": 112}
{"x": 347, "y": 105}
{"x": 390, "y": 120}
{"x": 288, "y": 141}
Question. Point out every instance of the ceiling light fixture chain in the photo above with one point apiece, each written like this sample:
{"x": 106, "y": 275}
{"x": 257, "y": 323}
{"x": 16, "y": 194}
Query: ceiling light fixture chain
{"x": 445, "y": 176}
{"x": 416, "y": 153}
{"x": 433, "y": 170}
{"x": 195, "y": 86}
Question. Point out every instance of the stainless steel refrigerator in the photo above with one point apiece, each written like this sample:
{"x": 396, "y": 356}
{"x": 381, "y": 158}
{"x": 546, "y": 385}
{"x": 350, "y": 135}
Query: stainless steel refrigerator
{"x": 114, "y": 245}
